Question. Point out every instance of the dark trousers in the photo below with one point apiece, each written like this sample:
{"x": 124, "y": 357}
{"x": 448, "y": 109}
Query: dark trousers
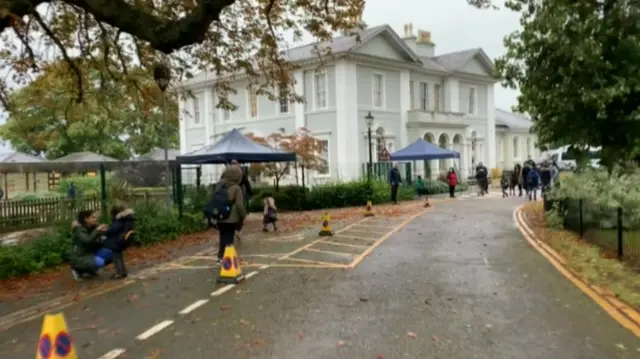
{"x": 452, "y": 191}
{"x": 394, "y": 193}
{"x": 118, "y": 263}
{"x": 520, "y": 190}
{"x": 227, "y": 233}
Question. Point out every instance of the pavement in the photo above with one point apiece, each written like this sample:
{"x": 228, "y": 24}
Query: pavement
{"x": 454, "y": 281}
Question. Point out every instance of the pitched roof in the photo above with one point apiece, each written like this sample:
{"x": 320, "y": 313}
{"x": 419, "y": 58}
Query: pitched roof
{"x": 19, "y": 157}
{"x": 450, "y": 62}
{"x": 157, "y": 154}
{"x": 514, "y": 121}
{"x": 85, "y": 157}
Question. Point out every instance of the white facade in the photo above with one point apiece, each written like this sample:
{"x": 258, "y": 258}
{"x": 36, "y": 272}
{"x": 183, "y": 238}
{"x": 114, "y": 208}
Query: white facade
{"x": 447, "y": 99}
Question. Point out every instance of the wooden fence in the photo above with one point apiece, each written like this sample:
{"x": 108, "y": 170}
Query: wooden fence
{"x": 17, "y": 215}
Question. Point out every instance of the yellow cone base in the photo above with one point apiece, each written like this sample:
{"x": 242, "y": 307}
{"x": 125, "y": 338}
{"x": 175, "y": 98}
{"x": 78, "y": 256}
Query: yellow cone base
{"x": 230, "y": 272}
{"x": 325, "y": 232}
{"x": 427, "y": 204}
{"x": 368, "y": 214}
{"x": 229, "y": 280}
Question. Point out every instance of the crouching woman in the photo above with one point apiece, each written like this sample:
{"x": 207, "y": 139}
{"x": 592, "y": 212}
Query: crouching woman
{"x": 87, "y": 253}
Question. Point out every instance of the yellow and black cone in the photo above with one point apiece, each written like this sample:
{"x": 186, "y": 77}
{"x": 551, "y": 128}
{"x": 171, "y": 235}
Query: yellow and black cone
{"x": 427, "y": 203}
{"x": 326, "y": 230}
{"x": 230, "y": 272}
{"x": 368, "y": 212}
{"x": 55, "y": 342}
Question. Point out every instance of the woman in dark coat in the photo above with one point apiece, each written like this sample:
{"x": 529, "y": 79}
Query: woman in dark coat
{"x": 87, "y": 253}
{"x": 517, "y": 177}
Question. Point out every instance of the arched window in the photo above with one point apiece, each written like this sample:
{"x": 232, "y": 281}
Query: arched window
{"x": 516, "y": 144}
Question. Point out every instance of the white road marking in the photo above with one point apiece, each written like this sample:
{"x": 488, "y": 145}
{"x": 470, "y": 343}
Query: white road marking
{"x": 113, "y": 354}
{"x": 197, "y": 304}
{"x": 485, "y": 260}
{"x": 264, "y": 266}
{"x": 154, "y": 330}
{"x": 251, "y": 274}
{"x": 222, "y": 290}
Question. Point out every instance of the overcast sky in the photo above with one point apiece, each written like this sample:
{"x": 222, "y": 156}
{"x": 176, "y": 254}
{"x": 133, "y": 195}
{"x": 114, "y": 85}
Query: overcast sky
{"x": 454, "y": 26}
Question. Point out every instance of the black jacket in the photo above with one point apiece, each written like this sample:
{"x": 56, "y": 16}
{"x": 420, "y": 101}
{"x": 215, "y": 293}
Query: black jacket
{"x": 394, "y": 177}
{"x": 121, "y": 232}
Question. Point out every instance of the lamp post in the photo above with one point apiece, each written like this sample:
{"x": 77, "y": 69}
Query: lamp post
{"x": 369, "y": 118}
{"x": 162, "y": 75}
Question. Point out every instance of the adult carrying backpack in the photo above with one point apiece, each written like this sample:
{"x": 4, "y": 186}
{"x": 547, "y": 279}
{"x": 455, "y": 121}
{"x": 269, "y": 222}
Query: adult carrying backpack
{"x": 221, "y": 206}
{"x": 532, "y": 178}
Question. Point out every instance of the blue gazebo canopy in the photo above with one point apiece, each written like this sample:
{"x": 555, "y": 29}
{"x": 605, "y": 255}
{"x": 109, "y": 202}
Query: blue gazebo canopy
{"x": 235, "y": 146}
{"x": 423, "y": 150}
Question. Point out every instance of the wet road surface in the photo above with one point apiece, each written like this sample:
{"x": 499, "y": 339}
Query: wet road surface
{"x": 457, "y": 282}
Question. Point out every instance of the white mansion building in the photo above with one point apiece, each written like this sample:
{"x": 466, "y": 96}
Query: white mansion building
{"x": 447, "y": 99}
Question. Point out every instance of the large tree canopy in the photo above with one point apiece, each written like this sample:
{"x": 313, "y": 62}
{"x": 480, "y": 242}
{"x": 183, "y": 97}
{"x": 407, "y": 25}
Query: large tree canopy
{"x": 46, "y": 120}
{"x": 577, "y": 65}
{"x": 219, "y": 36}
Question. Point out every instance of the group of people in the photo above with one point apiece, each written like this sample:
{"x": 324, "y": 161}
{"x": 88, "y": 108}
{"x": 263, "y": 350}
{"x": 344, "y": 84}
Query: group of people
{"x": 421, "y": 190}
{"x": 95, "y": 245}
{"x": 529, "y": 177}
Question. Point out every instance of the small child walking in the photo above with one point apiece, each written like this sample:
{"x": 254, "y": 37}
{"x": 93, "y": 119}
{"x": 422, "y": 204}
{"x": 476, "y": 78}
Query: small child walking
{"x": 270, "y": 212}
{"x": 505, "y": 184}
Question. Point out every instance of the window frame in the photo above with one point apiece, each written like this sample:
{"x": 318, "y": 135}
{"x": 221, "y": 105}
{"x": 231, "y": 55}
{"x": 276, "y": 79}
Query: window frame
{"x": 316, "y": 105}
{"x": 472, "y": 101}
{"x": 327, "y": 139}
{"x": 424, "y": 96}
{"x": 412, "y": 100}
{"x": 195, "y": 119}
{"x": 282, "y": 100}
{"x": 375, "y": 94}
{"x": 251, "y": 96}
{"x": 437, "y": 92}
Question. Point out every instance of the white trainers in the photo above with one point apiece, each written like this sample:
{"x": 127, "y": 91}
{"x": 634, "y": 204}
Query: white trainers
{"x": 76, "y": 275}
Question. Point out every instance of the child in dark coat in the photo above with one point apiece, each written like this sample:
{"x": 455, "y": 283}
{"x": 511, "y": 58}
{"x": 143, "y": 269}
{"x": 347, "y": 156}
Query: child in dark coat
{"x": 505, "y": 183}
{"x": 119, "y": 236}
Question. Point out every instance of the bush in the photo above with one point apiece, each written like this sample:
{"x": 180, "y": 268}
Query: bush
{"x": 336, "y": 195}
{"x": 154, "y": 223}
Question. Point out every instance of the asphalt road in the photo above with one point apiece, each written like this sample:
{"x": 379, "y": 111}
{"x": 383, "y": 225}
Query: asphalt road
{"x": 457, "y": 282}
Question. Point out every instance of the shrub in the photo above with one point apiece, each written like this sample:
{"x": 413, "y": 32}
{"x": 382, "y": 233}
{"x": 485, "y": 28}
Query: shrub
{"x": 155, "y": 222}
{"x": 336, "y": 195}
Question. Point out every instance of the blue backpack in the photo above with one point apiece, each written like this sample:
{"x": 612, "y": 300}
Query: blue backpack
{"x": 220, "y": 206}
{"x": 532, "y": 178}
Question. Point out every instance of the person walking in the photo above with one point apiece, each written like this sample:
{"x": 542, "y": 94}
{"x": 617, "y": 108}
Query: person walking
{"x": 524, "y": 175}
{"x": 482, "y": 176}
{"x": 545, "y": 177}
{"x": 533, "y": 181}
{"x": 394, "y": 180}
{"x": 517, "y": 178}
{"x": 452, "y": 178}
{"x": 229, "y": 210}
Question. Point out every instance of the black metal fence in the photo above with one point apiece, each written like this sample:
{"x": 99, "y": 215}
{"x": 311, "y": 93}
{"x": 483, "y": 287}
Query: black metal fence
{"x": 612, "y": 229}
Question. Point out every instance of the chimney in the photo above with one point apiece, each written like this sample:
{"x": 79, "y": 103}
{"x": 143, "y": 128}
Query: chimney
{"x": 409, "y": 38}
{"x": 424, "y": 46}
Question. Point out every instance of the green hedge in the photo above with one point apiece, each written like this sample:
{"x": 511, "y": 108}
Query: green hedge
{"x": 154, "y": 223}
{"x": 337, "y": 195}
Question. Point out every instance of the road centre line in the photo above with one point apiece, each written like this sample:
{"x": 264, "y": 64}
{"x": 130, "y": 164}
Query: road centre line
{"x": 195, "y": 305}
{"x": 222, "y": 290}
{"x": 331, "y": 252}
{"x": 251, "y": 274}
{"x": 343, "y": 244}
{"x": 154, "y": 330}
{"x": 113, "y": 354}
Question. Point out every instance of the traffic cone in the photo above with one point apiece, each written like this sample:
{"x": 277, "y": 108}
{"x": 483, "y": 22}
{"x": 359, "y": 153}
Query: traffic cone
{"x": 230, "y": 272}
{"x": 368, "y": 210}
{"x": 326, "y": 230}
{"x": 427, "y": 204}
{"x": 55, "y": 342}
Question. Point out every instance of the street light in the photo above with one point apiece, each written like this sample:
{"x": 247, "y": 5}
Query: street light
{"x": 162, "y": 75}
{"x": 369, "y": 120}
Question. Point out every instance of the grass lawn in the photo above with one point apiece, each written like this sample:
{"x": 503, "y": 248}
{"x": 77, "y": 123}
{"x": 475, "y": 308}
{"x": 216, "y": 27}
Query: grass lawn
{"x": 589, "y": 261}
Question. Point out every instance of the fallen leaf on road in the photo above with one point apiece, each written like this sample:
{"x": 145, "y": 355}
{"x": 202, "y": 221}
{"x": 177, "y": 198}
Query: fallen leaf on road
{"x": 412, "y": 335}
{"x": 621, "y": 346}
{"x": 177, "y": 334}
{"x": 92, "y": 326}
{"x": 75, "y": 298}
{"x": 131, "y": 298}
{"x": 341, "y": 343}
{"x": 154, "y": 354}
{"x": 435, "y": 338}
{"x": 257, "y": 342}
{"x": 244, "y": 322}
{"x": 379, "y": 356}
{"x": 300, "y": 335}
{"x": 224, "y": 308}
{"x": 364, "y": 299}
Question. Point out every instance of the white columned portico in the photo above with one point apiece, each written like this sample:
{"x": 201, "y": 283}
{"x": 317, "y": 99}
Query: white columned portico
{"x": 405, "y": 106}
{"x": 298, "y": 77}
{"x": 452, "y": 96}
{"x": 490, "y": 143}
{"x": 348, "y": 149}
{"x": 209, "y": 115}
